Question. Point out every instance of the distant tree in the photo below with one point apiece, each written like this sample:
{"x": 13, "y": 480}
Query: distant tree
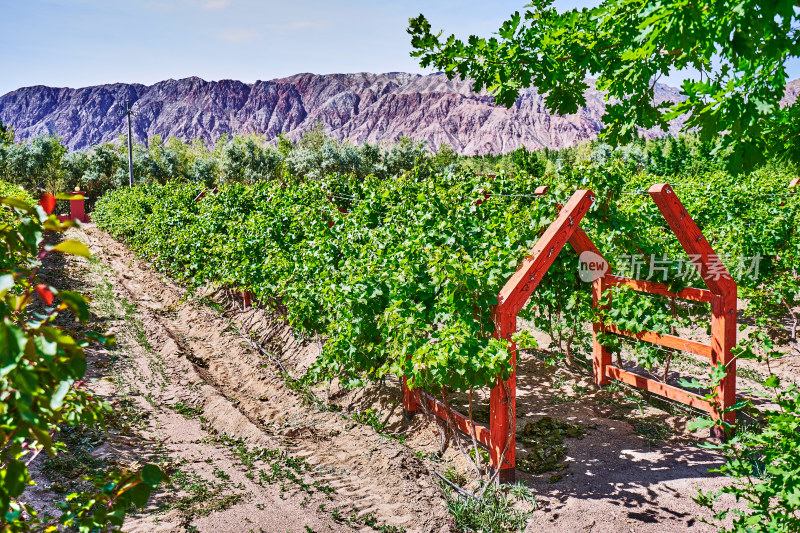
{"x": 444, "y": 157}
{"x": 603, "y": 154}
{"x": 370, "y": 155}
{"x": 6, "y": 134}
{"x": 204, "y": 170}
{"x": 404, "y": 155}
{"x": 75, "y": 165}
{"x": 314, "y": 138}
{"x": 249, "y": 160}
{"x": 526, "y": 161}
{"x": 35, "y": 166}
{"x": 108, "y": 167}
{"x": 739, "y": 48}
{"x": 284, "y": 145}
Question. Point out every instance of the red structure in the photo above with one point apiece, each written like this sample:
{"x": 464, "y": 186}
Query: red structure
{"x": 499, "y": 438}
{"x": 77, "y": 210}
{"x": 721, "y": 293}
{"x": 202, "y": 195}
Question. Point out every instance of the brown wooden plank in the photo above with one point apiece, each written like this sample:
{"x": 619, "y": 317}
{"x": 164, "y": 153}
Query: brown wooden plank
{"x": 724, "y": 303}
{"x": 541, "y": 190}
{"x": 669, "y": 341}
{"x": 662, "y": 389}
{"x": 689, "y": 293}
{"x": 718, "y": 279}
{"x": 410, "y": 399}
{"x": 581, "y": 242}
{"x": 519, "y": 287}
{"x": 462, "y": 422}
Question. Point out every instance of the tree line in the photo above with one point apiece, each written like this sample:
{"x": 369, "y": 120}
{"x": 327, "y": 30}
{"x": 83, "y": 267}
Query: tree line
{"x": 45, "y": 164}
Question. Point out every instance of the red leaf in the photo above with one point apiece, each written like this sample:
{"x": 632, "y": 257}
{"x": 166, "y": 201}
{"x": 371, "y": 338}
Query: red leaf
{"x": 44, "y": 293}
{"x": 48, "y": 202}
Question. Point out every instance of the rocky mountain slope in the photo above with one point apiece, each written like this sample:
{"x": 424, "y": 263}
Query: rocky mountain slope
{"x": 359, "y": 107}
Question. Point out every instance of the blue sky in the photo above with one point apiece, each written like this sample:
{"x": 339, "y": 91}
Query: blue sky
{"x": 87, "y": 42}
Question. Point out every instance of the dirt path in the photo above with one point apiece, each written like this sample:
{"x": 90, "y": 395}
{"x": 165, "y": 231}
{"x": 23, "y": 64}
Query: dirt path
{"x": 207, "y": 395}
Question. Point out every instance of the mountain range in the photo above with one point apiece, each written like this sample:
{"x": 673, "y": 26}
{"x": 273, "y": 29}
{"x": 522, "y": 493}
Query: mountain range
{"x": 363, "y": 107}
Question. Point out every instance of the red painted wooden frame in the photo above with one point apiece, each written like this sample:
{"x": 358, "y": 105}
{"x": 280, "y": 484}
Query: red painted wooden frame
{"x": 203, "y": 194}
{"x": 721, "y": 294}
{"x": 500, "y": 437}
{"x": 77, "y": 210}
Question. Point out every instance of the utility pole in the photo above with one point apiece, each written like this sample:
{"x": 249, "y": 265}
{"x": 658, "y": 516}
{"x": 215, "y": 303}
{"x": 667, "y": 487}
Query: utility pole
{"x": 129, "y": 113}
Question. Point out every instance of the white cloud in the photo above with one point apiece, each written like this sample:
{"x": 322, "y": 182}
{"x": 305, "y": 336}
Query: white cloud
{"x": 298, "y": 25}
{"x": 239, "y": 35}
{"x": 210, "y": 5}
{"x": 304, "y": 24}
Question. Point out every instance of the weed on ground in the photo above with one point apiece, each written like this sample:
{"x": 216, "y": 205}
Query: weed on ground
{"x": 493, "y": 513}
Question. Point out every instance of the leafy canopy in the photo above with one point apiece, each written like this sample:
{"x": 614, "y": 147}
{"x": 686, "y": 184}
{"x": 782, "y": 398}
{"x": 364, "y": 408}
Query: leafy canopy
{"x": 734, "y": 52}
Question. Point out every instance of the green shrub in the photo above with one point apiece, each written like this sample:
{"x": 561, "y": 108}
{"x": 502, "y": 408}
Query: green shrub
{"x": 41, "y": 367}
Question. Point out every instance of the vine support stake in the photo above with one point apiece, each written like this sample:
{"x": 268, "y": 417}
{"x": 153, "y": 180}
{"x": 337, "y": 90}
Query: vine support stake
{"x": 503, "y": 407}
{"x": 411, "y": 404}
{"x": 601, "y": 356}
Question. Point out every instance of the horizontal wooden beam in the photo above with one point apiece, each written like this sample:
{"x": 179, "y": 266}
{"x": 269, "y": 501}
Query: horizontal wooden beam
{"x": 662, "y": 389}
{"x": 669, "y": 341}
{"x": 689, "y": 293}
{"x": 462, "y": 422}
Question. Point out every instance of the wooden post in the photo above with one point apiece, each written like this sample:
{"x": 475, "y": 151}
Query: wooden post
{"x": 514, "y": 295}
{"x": 247, "y": 298}
{"x": 512, "y": 298}
{"x": 411, "y": 404}
{"x": 503, "y": 406}
{"x": 77, "y": 210}
{"x": 723, "y": 339}
{"x": 601, "y": 357}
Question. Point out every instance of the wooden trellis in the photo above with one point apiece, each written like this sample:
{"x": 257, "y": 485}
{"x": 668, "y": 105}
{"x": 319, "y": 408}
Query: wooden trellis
{"x": 499, "y": 438}
{"x": 203, "y": 194}
{"x": 721, "y": 293}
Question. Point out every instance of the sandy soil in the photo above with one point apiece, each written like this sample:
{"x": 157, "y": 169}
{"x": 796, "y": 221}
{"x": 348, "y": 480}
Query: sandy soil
{"x": 196, "y": 360}
{"x": 635, "y": 469}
